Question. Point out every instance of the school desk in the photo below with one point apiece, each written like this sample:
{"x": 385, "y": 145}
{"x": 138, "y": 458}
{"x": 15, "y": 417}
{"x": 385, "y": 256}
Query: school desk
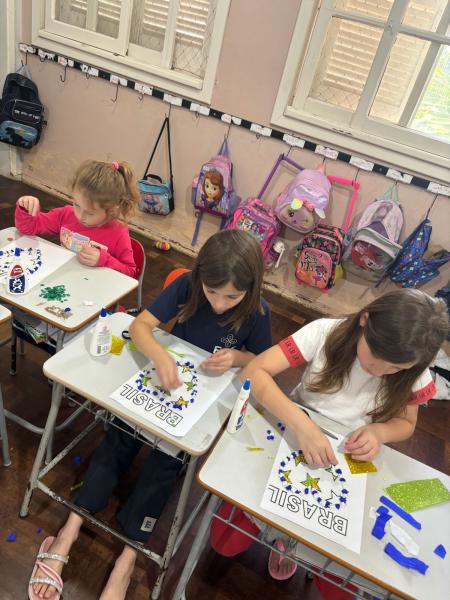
{"x": 233, "y": 473}
{"x": 95, "y": 379}
{"x": 90, "y": 289}
{"x": 5, "y": 316}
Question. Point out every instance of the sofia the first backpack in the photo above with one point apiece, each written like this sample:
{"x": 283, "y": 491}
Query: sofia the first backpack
{"x": 304, "y": 200}
{"x": 212, "y": 190}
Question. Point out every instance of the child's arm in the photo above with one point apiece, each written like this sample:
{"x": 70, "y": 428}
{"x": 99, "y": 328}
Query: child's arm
{"x": 30, "y": 220}
{"x": 365, "y": 442}
{"x": 225, "y": 359}
{"x": 141, "y": 332}
{"x": 261, "y": 371}
{"x": 122, "y": 261}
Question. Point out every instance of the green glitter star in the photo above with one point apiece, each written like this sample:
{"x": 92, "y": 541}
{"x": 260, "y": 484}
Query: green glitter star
{"x": 311, "y": 482}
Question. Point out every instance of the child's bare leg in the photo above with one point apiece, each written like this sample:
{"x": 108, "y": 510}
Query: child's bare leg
{"x": 119, "y": 579}
{"x": 67, "y": 535}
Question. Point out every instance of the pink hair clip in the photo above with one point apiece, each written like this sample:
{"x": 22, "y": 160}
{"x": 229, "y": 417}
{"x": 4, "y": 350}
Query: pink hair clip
{"x": 115, "y": 164}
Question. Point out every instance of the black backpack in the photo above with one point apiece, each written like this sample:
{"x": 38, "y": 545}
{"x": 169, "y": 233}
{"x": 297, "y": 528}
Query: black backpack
{"x": 21, "y": 112}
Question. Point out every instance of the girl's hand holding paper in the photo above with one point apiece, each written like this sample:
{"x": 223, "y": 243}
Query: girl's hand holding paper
{"x": 89, "y": 256}
{"x": 364, "y": 443}
{"x": 219, "y": 362}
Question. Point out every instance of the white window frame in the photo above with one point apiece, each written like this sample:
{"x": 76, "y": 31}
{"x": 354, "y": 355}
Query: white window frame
{"x": 355, "y": 132}
{"x": 111, "y": 57}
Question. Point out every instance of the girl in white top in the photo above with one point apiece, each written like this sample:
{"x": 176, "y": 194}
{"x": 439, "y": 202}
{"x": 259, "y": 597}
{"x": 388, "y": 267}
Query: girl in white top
{"x": 368, "y": 371}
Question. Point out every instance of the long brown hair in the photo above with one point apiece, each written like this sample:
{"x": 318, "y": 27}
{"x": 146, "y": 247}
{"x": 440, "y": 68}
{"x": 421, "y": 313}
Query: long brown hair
{"x": 230, "y": 256}
{"x": 111, "y": 185}
{"x": 403, "y": 326}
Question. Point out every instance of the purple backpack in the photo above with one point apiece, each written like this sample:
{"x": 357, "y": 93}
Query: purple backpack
{"x": 212, "y": 190}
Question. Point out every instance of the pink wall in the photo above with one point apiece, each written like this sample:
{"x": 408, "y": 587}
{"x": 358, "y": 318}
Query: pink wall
{"x": 83, "y": 123}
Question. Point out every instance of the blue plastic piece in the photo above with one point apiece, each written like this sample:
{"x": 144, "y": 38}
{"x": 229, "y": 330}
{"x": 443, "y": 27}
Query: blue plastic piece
{"x": 405, "y": 561}
{"x": 12, "y": 537}
{"x": 440, "y": 551}
{"x": 401, "y": 513}
{"x": 380, "y": 523}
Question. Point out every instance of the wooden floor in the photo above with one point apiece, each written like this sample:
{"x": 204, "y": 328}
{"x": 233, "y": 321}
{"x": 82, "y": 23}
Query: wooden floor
{"x": 215, "y": 578}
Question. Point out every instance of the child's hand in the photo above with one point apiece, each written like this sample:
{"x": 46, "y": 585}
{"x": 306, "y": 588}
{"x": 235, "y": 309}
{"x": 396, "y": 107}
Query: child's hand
{"x": 167, "y": 371}
{"x": 219, "y": 362}
{"x": 30, "y": 204}
{"x": 364, "y": 443}
{"x": 315, "y": 445}
{"x": 89, "y": 256}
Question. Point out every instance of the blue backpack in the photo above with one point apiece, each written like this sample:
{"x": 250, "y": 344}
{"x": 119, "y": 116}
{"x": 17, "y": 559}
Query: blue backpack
{"x": 410, "y": 268}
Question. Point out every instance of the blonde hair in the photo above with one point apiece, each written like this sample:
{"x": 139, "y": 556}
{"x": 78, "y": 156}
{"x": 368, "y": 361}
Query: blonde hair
{"x": 111, "y": 185}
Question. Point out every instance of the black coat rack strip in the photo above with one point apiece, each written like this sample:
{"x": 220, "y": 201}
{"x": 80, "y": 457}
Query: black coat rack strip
{"x": 260, "y": 130}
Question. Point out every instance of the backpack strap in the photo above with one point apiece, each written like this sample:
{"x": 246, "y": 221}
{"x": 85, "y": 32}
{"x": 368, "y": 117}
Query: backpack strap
{"x": 165, "y": 124}
{"x": 351, "y": 206}
{"x": 223, "y": 150}
{"x": 197, "y": 227}
{"x": 278, "y": 162}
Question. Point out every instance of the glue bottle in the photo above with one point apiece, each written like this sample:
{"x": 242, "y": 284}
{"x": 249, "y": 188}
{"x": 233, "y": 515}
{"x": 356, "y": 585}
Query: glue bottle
{"x": 240, "y": 406}
{"x": 102, "y": 335}
{"x": 17, "y": 280}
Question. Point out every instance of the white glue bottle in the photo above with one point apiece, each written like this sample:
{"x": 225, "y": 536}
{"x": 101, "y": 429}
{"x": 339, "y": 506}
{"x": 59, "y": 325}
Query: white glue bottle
{"x": 102, "y": 335}
{"x": 17, "y": 280}
{"x": 238, "y": 413}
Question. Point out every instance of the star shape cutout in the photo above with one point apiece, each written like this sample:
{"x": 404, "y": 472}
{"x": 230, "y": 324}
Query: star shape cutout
{"x": 286, "y": 476}
{"x": 311, "y": 482}
{"x": 300, "y": 459}
{"x": 332, "y": 473}
{"x": 334, "y": 498}
{"x": 188, "y": 385}
{"x": 162, "y": 390}
{"x": 186, "y": 369}
{"x": 181, "y": 402}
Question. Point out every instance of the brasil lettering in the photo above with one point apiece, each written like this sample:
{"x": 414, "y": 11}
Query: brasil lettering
{"x": 149, "y": 404}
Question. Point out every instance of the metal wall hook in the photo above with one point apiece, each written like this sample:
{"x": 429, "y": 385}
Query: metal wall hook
{"x": 117, "y": 93}
{"x": 228, "y": 130}
{"x": 42, "y": 58}
{"x": 141, "y": 96}
{"x": 63, "y": 78}
{"x": 87, "y": 75}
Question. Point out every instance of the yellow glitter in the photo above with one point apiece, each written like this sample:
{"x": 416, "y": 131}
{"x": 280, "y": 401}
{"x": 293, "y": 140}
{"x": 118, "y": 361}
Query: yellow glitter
{"x": 117, "y": 345}
{"x": 300, "y": 459}
{"x": 255, "y": 449}
{"x": 286, "y": 476}
{"x": 311, "y": 482}
{"x": 359, "y": 466}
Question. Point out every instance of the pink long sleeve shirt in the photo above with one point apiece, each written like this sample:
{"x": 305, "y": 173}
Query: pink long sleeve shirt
{"x": 113, "y": 235}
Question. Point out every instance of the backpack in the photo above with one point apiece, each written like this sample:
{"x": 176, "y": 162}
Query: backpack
{"x": 21, "y": 112}
{"x": 371, "y": 244}
{"x": 410, "y": 268}
{"x": 212, "y": 190}
{"x": 320, "y": 254}
{"x": 304, "y": 201}
{"x": 256, "y": 217}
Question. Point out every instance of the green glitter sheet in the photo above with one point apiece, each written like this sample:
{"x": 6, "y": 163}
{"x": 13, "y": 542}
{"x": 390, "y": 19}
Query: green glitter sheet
{"x": 413, "y": 495}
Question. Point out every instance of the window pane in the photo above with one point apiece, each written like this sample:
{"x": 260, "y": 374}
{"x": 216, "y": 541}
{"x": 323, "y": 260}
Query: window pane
{"x": 405, "y": 61}
{"x": 378, "y": 9}
{"x": 424, "y": 14}
{"x": 433, "y": 113}
{"x": 101, "y": 16}
{"x": 148, "y": 23}
{"x": 193, "y": 36}
{"x": 345, "y": 62}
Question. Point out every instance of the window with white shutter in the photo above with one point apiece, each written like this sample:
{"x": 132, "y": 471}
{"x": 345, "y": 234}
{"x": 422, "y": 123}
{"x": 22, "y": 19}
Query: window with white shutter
{"x": 175, "y": 40}
{"x": 372, "y": 76}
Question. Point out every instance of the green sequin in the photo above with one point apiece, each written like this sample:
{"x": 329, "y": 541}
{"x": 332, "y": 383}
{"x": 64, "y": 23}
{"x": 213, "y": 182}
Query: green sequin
{"x": 56, "y": 293}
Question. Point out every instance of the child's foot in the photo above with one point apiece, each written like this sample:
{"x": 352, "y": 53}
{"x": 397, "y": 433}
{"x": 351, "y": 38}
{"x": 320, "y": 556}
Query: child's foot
{"x": 119, "y": 579}
{"x": 62, "y": 544}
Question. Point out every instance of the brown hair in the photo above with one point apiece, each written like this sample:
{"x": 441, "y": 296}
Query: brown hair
{"x": 216, "y": 179}
{"x": 110, "y": 185}
{"x": 229, "y": 256}
{"x": 403, "y": 326}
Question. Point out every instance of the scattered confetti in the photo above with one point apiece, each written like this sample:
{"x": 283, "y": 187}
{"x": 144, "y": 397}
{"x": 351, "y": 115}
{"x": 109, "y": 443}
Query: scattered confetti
{"x": 56, "y": 293}
{"x": 12, "y": 537}
{"x": 87, "y": 303}
{"x": 359, "y": 466}
{"x": 39, "y": 530}
{"x": 255, "y": 449}
{"x": 413, "y": 495}
{"x": 77, "y": 486}
{"x": 281, "y": 426}
{"x": 77, "y": 460}
{"x": 58, "y": 312}
{"x": 117, "y": 345}
{"x": 270, "y": 435}
{"x": 440, "y": 551}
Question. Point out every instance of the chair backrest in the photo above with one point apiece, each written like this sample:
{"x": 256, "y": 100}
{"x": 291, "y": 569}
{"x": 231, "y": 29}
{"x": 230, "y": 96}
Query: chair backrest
{"x": 140, "y": 260}
{"x": 174, "y": 274}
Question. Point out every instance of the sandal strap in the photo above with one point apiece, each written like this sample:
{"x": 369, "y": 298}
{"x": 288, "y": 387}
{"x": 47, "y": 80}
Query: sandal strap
{"x": 53, "y": 556}
{"x": 58, "y": 587}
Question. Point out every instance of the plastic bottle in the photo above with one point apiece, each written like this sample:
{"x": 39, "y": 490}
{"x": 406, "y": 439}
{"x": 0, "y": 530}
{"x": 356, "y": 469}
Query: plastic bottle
{"x": 238, "y": 413}
{"x": 102, "y": 335}
{"x": 17, "y": 280}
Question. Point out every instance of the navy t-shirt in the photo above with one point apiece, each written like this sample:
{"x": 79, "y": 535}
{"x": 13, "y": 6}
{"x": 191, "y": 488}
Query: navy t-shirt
{"x": 204, "y": 328}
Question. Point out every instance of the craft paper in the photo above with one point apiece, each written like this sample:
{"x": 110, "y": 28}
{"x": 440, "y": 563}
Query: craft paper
{"x": 174, "y": 411}
{"x": 329, "y": 501}
{"x": 413, "y": 495}
{"x": 40, "y": 258}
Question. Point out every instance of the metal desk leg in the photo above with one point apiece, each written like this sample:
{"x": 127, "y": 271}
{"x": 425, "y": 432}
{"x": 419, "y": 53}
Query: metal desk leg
{"x": 4, "y": 434}
{"x": 59, "y": 345}
{"x": 176, "y": 525}
{"x": 57, "y": 393}
{"x": 196, "y": 549}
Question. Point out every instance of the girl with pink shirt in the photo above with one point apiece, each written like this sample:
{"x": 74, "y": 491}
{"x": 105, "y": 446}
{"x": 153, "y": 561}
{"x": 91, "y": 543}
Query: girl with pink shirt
{"x": 103, "y": 192}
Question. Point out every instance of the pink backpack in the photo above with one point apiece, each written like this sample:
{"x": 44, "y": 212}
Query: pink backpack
{"x": 304, "y": 200}
{"x": 321, "y": 251}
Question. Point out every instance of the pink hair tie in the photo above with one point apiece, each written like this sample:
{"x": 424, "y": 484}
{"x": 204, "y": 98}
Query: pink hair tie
{"x": 115, "y": 165}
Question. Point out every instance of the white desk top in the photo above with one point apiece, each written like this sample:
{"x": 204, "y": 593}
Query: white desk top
{"x": 102, "y": 286}
{"x": 244, "y": 486}
{"x": 5, "y": 314}
{"x": 96, "y": 378}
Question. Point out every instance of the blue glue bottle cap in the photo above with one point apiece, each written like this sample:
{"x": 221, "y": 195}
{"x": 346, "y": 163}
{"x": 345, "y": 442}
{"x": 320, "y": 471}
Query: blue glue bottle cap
{"x": 17, "y": 251}
{"x": 104, "y": 312}
{"x": 246, "y": 385}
